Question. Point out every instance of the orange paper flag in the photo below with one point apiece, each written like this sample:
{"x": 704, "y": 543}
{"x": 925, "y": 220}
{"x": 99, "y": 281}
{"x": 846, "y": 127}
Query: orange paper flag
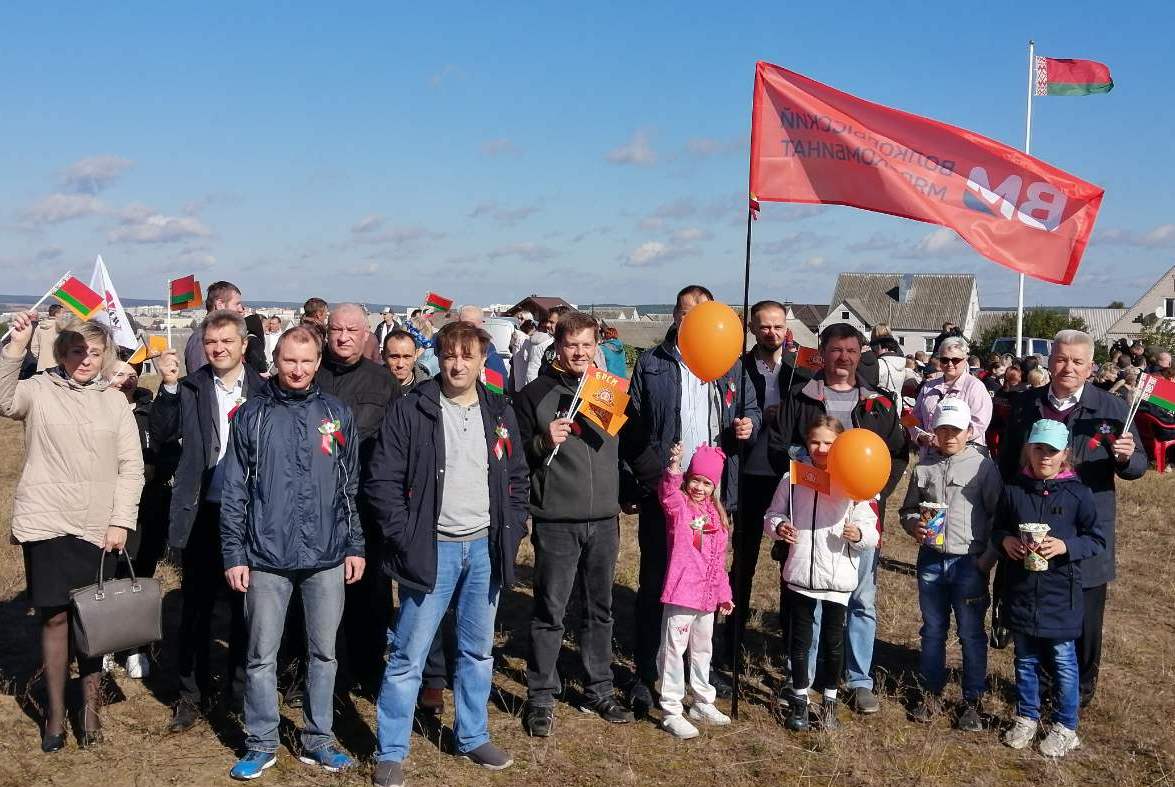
{"x": 603, "y": 400}
{"x": 808, "y": 358}
{"x": 810, "y": 476}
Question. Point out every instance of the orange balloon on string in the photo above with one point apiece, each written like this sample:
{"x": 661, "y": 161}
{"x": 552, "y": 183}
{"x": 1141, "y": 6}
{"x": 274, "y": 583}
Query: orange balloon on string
{"x": 711, "y": 339}
{"x": 859, "y": 464}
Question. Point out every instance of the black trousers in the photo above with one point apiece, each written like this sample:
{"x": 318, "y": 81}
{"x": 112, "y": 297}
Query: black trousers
{"x": 830, "y": 654}
{"x": 757, "y": 492}
{"x": 563, "y": 552}
{"x": 654, "y": 560}
{"x": 202, "y": 584}
{"x": 1089, "y": 644}
{"x": 367, "y": 614}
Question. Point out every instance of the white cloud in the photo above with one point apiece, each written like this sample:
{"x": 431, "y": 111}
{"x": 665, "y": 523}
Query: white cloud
{"x": 791, "y": 243}
{"x": 654, "y": 252}
{"x": 368, "y": 223}
{"x": 689, "y": 235}
{"x": 942, "y": 242}
{"x": 194, "y": 259}
{"x": 142, "y": 224}
{"x": 1162, "y": 236}
{"x": 636, "y": 152}
{"x": 57, "y": 208}
{"x": 449, "y": 71}
{"x": 528, "y": 250}
{"x": 501, "y": 214}
{"x": 94, "y": 174}
{"x": 362, "y": 269}
{"x": 815, "y": 261}
{"x": 706, "y": 147}
{"x": 499, "y": 147}
{"x": 875, "y": 242}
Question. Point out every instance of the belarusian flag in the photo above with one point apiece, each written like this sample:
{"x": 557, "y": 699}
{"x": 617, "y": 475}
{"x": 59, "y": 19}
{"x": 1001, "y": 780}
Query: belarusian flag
{"x": 1066, "y": 77}
{"x": 184, "y": 293}
{"x": 1158, "y": 391}
{"x": 494, "y": 381}
{"x": 437, "y": 303}
{"x": 79, "y": 298}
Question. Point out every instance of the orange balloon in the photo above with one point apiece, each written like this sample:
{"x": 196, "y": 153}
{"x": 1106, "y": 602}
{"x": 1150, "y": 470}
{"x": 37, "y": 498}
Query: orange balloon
{"x": 711, "y": 339}
{"x": 859, "y": 464}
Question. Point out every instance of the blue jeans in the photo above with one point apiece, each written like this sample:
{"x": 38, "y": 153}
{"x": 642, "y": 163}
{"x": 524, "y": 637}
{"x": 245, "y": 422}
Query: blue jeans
{"x": 463, "y": 572}
{"x": 265, "y": 616}
{"x": 947, "y": 582}
{"x": 1030, "y": 653}
{"x": 861, "y": 623}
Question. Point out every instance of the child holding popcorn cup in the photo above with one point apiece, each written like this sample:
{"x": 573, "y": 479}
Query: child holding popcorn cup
{"x": 1046, "y": 526}
{"x": 949, "y": 507}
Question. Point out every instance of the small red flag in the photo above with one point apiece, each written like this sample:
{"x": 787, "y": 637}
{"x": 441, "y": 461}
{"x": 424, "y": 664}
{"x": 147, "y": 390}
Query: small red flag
{"x": 79, "y": 298}
{"x": 437, "y": 303}
{"x": 812, "y": 143}
{"x": 808, "y": 358}
{"x": 493, "y": 380}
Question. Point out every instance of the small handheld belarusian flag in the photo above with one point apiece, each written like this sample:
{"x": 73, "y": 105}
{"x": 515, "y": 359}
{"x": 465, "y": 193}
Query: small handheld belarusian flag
{"x": 184, "y": 293}
{"x": 437, "y": 303}
{"x": 1067, "y": 77}
{"x": 494, "y": 382}
{"x": 79, "y": 298}
{"x": 810, "y": 476}
{"x": 1158, "y": 391}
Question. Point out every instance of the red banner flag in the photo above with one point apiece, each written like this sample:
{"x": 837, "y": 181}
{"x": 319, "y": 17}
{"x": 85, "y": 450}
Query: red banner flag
{"x": 812, "y": 143}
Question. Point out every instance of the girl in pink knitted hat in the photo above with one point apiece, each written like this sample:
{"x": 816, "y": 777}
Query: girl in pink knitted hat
{"x": 695, "y": 586}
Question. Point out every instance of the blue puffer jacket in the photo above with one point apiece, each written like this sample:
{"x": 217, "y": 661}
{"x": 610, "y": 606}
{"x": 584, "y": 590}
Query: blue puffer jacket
{"x": 405, "y": 484}
{"x": 288, "y": 500}
{"x": 1048, "y": 604}
{"x": 654, "y": 413}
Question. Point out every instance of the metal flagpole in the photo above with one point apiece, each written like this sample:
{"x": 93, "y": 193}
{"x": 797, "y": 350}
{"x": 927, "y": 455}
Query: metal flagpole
{"x": 167, "y": 312}
{"x": 1027, "y": 149}
{"x": 739, "y": 616}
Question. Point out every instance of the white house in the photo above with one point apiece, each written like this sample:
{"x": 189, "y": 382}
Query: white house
{"x": 913, "y": 305}
{"x": 1159, "y": 300}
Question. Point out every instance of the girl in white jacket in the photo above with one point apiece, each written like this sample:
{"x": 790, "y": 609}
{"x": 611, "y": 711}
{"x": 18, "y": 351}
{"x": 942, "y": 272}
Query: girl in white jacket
{"x": 826, "y": 533}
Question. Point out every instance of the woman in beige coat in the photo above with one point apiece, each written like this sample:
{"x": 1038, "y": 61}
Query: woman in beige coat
{"x": 78, "y": 494}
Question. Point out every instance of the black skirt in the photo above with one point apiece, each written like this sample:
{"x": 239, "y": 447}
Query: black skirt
{"x": 55, "y": 566}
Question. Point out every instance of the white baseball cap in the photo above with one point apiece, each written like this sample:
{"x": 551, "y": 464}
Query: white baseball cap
{"x": 386, "y": 310}
{"x": 952, "y": 412}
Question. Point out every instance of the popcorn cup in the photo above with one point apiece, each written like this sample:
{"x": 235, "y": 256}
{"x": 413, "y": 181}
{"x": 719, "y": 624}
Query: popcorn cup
{"x": 934, "y": 516}
{"x": 1032, "y": 534}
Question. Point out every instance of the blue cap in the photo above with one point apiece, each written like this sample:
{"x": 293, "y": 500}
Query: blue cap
{"x": 1053, "y": 433}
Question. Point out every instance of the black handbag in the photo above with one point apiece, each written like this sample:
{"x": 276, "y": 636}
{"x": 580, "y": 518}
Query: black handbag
{"x": 116, "y": 615}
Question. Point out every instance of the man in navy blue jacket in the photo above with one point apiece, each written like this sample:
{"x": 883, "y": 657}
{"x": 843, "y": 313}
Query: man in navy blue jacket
{"x": 288, "y": 521}
{"x": 449, "y": 483}
{"x": 669, "y": 404}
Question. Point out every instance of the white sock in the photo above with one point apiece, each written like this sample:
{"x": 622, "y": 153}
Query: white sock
{"x": 830, "y": 694}
{"x": 801, "y": 694}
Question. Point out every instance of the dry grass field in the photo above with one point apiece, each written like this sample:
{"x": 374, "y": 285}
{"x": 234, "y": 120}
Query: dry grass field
{"x": 1128, "y": 734}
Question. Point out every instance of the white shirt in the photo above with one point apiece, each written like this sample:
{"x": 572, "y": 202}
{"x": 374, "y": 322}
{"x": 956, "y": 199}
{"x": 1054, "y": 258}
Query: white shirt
{"x": 271, "y": 345}
{"x": 695, "y": 412}
{"x": 770, "y": 383}
{"x": 1068, "y": 402}
{"x": 226, "y": 400}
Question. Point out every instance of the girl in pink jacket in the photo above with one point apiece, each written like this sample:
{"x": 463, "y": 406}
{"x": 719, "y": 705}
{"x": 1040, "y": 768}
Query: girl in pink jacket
{"x": 695, "y": 586}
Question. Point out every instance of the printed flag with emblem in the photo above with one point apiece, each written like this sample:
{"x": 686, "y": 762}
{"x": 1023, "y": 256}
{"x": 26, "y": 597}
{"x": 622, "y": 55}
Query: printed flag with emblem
{"x": 810, "y": 476}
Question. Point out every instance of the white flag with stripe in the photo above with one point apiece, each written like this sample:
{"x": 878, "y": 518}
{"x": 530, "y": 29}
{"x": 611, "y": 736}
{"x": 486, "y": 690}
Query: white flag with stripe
{"x": 113, "y": 315}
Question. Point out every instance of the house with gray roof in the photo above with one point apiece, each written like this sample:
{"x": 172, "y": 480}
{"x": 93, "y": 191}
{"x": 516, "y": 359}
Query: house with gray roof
{"x": 1159, "y": 300}
{"x": 913, "y": 305}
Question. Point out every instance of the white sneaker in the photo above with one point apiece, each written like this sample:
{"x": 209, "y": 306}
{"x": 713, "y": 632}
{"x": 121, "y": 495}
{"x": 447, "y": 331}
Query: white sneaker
{"x": 679, "y": 728}
{"x": 704, "y": 711}
{"x": 1022, "y": 732}
{"x": 108, "y": 662}
{"x": 138, "y": 666}
{"x": 1060, "y": 741}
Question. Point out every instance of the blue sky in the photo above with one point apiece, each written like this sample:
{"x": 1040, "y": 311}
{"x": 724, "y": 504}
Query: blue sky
{"x": 599, "y": 153}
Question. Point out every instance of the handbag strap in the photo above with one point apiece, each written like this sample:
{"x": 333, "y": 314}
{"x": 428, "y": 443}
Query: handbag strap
{"x": 135, "y": 587}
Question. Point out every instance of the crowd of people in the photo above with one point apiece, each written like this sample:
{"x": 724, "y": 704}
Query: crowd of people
{"x": 300, "y": 472}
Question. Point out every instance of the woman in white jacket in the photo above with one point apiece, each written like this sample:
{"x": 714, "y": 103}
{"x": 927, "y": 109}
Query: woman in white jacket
{"x": 826, "y": 533}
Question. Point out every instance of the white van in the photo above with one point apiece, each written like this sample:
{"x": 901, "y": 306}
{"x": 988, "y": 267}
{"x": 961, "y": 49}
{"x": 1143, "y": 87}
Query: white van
{"x": 1029, "y": 346}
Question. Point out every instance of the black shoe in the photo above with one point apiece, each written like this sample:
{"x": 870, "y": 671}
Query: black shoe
{"x": 1086, "y": 694}
{"x": 608, "y": 709}
{"x": 538, "y": 720}
{"x": 640, "y": 699}
{"x": 971, "y": 719}
{"x": 294, "y": 696}
{"x": 826, "y": 715}
{"x": 52, "y": 743}
{"x": 183, "y": 717}
{"x": 926, "y": 710}
{"x": 388, "y": 774}
{"x": 1000, "y": 638}
{"x": 91, "y": 739}
{"x": 723, "y": 688}
{"x": 797, "y": 719}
